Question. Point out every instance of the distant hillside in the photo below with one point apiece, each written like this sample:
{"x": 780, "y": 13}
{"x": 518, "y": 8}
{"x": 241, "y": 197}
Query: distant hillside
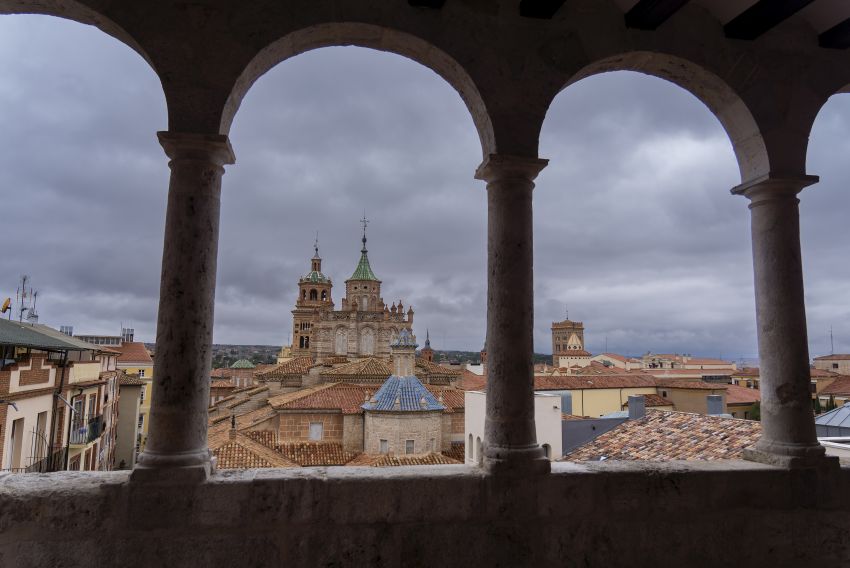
{"x": 225, "y": 355}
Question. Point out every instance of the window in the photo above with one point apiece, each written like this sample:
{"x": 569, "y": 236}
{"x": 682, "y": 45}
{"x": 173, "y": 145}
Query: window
{"x": 316, "y": 431}
{"x": 141, "y": 421}
{"x": 142, "y": 395}
{"x": 141, "y": 373}
{"x": 835, "y": 365}
{"x": 409, "y": 446}
{"x": 385, "y": 447}
{"x": 547, "y": 451}
{"x": 469, "y": 450}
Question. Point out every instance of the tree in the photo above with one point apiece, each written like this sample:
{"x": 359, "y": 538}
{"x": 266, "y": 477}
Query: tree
{"x": 817, "y": 406}
{"x": 755, "y": 412}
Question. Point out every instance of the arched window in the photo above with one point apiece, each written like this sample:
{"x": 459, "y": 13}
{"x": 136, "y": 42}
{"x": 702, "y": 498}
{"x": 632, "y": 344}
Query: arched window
{"x": 341, "y": 343}
{"x": 314, "y": 295}
{"x": 324, "y": 295}
{"x": 470, "y": 451}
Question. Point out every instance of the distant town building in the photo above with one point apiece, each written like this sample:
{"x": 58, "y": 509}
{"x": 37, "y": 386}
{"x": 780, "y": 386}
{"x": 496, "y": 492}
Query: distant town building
{"x": 837, "y": 363}
{"x": 568, "y": 344}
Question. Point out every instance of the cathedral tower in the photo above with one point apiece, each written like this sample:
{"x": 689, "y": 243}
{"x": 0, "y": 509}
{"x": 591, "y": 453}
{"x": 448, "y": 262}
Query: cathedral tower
{"x": 363, "y": 289}
{"x": 314, "y": 296}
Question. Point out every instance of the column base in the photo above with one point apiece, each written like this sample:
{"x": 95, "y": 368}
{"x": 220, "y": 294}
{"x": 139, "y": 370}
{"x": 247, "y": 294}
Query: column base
{"x": 790, "y": 456}
{"x": 516, "y": 461}
{"x": 181, "y": 468}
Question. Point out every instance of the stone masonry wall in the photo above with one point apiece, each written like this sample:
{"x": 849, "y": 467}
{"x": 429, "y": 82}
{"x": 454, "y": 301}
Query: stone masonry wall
{"x": 352, "y": 432}
{"x": 398, "y": 427}
{"x": 296, "y": 427}
{"x": 603, "y": 514}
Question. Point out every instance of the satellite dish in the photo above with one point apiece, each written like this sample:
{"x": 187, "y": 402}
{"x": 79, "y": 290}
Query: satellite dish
{"x": 7, "y": 303}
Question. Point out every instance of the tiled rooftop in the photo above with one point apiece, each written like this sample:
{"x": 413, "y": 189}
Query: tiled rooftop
{"x": 693, "y": 384}
{"x": 666, "y": 435}
{"x": 741, "y": 395}
{"x": 344, "y": 397}
{"x": 835, "y": 357}
{"x": 840, "y": 386}
{"x": 294, "y": 367}
{"x": 576, "y": 382}
{"x": 388, "y": 460}
{"x": 457, "y": 452}
{"x": 654, "y": 400}
{"x": 316, "y": 453}
{"x": 370, "y": 369}
{"x": 471, "y": 381}
{"x": 134, "y": 352}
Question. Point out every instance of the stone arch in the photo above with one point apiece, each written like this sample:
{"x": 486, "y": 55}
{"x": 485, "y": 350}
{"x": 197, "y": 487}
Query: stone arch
{"x": 370, "y": 36}
{"x": 722, "y": 100}
{"x": 341, "y": 341}
{"x": 367, "y": 341}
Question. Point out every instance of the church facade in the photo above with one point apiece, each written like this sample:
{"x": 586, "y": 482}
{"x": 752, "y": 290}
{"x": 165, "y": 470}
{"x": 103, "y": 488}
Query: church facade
{"x": 364, "y": 326}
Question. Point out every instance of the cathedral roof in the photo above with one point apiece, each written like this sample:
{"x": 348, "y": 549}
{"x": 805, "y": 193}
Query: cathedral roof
{"x": 315, "y": 277}
{"x": 363, "y": 270}
{"x": 242, "y": 364}
{"x": 404, "y": 394}
{"x": 368, "y": 369}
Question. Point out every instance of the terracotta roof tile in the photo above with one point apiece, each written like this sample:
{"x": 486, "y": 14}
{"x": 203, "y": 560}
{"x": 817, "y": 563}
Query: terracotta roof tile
{"x": 316, "y": 453}
{"x": 389, "y": 460}
{"x": 741, "y": 395}
{"x": 241, "y": 452}
{"x": 294, "y": 367}
{"x": 131, "y": 380}
{"x": 694, "y": 384}
{"x": 457, "y": 452}
{"x": 577, "y": 382}
{"x": 840, "y": 386}
{"x": 653, "y": 400}
{"x": 471, "y": 381}
{"x": 368, "y": 369}
{"x": 426, "y": 368}
{"x": 666, "y": 435}
{"x": 453, "y": 399}
{"x": 344, "y": 397}
{"x": 835, "y": 357}
{"x": 134, "y": 352}
{"x": 222, "y": 384}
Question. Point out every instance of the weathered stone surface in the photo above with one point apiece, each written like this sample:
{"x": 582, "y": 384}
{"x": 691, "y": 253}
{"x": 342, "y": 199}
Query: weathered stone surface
{"x": 602, "y": 514}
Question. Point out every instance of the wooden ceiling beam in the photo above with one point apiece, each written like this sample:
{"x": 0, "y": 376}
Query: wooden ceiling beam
{"x": 649, "y": 14}
{"x": 543, "y": 9}
{"x": 435, "y": 4}
{"x": 836, "y": 37}
{"x": 762, "y": 16}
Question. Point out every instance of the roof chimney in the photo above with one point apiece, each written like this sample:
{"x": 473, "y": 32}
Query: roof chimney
{"x": 715, "y": 404}
{"x": 567, "y": 403}
{"x": 637, "y": 407}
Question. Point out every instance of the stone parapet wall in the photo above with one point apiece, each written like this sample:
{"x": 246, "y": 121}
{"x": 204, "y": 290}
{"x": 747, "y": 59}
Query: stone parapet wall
{"x": 710, "y": 514}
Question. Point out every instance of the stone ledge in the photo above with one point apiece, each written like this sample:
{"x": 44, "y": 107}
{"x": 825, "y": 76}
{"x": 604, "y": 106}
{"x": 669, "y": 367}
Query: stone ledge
{"x": 732, "y": 512}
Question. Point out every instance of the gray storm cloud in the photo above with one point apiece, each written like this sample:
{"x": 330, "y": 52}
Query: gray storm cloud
{"x": 635, "y": 229}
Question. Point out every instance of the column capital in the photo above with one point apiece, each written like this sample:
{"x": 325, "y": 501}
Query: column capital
{"x": 497, "y": 167}
{"x": 214, "y": 148}
{"x": 774, "y": 186}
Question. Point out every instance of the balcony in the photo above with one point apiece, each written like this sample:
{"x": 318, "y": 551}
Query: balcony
{"x": 86, "y": 429}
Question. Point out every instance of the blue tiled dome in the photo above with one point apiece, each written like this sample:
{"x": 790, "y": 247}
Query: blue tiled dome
{"x": 412, "y": 396}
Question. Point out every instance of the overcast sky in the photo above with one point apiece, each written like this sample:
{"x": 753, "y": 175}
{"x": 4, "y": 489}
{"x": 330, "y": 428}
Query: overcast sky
{"x": 635, "y": 230}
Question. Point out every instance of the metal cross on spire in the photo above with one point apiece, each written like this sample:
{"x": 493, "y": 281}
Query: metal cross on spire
{"x": 316, "y": 244}
{"x": 365, "y": 222}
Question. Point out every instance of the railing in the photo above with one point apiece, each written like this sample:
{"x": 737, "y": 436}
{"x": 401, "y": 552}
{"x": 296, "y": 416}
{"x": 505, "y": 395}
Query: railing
{"x": 84, "y": 430}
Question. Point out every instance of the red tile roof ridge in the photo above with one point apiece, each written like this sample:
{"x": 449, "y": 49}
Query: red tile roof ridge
{"x": 280, "y": 399}
{"x": 134, "y": 352}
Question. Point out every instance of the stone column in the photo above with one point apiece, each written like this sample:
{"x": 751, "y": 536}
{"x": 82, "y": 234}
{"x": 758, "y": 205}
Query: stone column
{"x": 510, "y": 445}
{"x": 788, "y": 436}
{"x": 176, "y": 447}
